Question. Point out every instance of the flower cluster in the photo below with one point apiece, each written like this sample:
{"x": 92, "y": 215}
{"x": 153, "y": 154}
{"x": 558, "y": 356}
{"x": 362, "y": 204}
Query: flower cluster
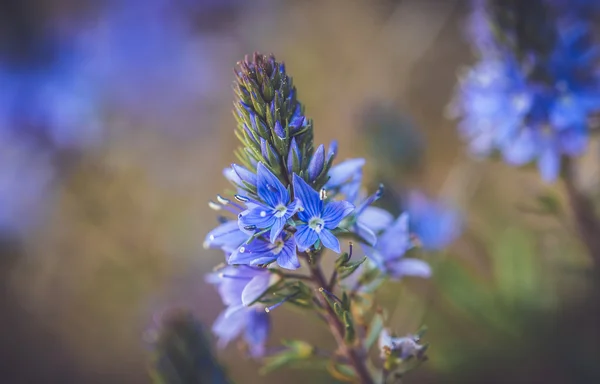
{"x": 530, "y": 98}
{"x": 290, "y": 204}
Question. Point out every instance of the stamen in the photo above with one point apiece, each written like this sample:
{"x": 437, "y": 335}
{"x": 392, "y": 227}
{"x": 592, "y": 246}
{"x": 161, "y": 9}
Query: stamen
{"x": 225, "y": 276}
{"x": 223, "y": 200}
{"x": 214, "y": 206}
{"x": 272, "y": 307}
{"x": 323, "y": 194}
{"x": 350, "y": 247}
{"x": 241, "y": 198}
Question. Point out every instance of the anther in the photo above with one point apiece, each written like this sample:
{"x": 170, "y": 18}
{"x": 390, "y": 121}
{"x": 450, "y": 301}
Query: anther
{"x": 223, "y": 200}
{"x": 214, "y": 206}
{"x": 323, "y": 194}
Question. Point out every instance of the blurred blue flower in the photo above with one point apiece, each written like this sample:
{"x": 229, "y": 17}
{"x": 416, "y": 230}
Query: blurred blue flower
{"x": 262, "y": 252}
{"x": 143, "y": 52}
{"x": 402, "y": 347}
{"x": 435, "y": 224}
{"x": 254, "y": 323}
{"x": 319, "y": 218}
{"x": 274, "y": 210}
{"x": 239, "y": 287}
{"x": 388, "y": 254}
{"x": 532, "y": 107}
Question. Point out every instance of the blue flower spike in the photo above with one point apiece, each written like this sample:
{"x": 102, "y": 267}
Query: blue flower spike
{"x": 319, "y": 218}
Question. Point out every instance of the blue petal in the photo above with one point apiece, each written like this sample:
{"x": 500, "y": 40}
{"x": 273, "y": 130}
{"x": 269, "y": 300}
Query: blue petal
{"x": 316, "y": 163}
{"x": 305, "y": 237}
{"x": 549, "y": 164}
{"x": 244, "y": 174}
{"x": 435, "y": 224}
{"x": 257, "y": 332}
{"x": 409, "y": 267}
{"x": 334, "y": 212}
{"x": 226, "y": 236}
{"x": 521, "y": 150}
{"x": 227, "y": 328}
{"x": 573, "y": 142}
{"x": 288, "y": 258}
{"x": 277, "y": 228}
{"x": 376, "y": 219}
{"x": 259, "y": 216}
{"x": 270, "y": 189}
{"x": 329, "y": 240}
{"x": 345, "y": 170}
{"x": 395, "y": 241}
{"x": 256, "y": 287}
{"x": 232, "y": 282}
{"x": 333, "y": 149}
{"x": 365, "y": 233}
{"x": 230, "y": 175}
{"x": 258, "y": 252}
{"x": 309, "y": 198}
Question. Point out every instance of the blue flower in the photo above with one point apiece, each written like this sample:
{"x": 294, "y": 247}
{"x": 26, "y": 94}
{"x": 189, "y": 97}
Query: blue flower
{"x": 262, "y": 252}
{"x": 274, "y": 210}
{"x": 226, "y": 236}
{"x": 320, "y": 218}
{"x": 388, "y": 254}
{"x": 536, "y": 108}
{"x": 254, "y": 323}
{"x": 241, "y": 285}
{"x": 402, "y": 347}
{"x": 239, "y": 288}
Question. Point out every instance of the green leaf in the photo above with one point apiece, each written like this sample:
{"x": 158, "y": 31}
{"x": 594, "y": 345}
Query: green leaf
{"x": 296, "y": 350}
{"x": 349, "y": 269}
{"x": 516, "y": 270}
{"x": 374, "y": 331}
{"x": 549, "y": 203}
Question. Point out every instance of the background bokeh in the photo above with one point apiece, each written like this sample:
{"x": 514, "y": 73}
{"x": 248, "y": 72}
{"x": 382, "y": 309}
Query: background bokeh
{"x": 115, "y": 125}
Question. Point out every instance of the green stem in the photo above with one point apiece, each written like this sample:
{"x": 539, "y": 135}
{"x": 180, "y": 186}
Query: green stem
{"x": 356, "y": 356}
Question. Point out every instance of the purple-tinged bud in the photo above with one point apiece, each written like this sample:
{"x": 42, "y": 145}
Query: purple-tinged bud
{"x": 294, "y": 161}
{"x": 332, "y": 152}
{"x": 279, "y": 130}
{"x": 316, "y": 163}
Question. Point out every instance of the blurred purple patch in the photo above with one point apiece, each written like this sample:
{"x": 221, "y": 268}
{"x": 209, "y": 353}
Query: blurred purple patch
{"x": 435, "y": 223}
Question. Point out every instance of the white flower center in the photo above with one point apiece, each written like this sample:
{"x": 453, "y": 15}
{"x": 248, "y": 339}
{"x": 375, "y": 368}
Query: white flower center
{"x": 280, "y": 210}
{"x": 278, "y": 247}
{"x": 316, "y": 223}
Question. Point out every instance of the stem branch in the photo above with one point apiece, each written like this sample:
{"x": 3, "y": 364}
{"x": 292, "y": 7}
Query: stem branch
{"x": 356, "y": 357}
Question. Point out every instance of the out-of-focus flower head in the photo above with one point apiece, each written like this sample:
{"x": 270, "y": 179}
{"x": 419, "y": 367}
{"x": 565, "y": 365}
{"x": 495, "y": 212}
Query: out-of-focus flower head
{"x": 535, "y": 86}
